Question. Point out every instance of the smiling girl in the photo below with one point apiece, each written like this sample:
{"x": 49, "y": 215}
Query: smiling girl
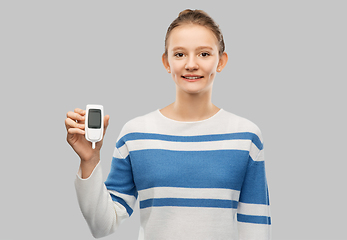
{"x": 197, "y": 170}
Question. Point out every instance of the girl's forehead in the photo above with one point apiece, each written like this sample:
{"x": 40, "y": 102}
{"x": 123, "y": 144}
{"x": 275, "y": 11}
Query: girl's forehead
{"x": 192, "y": 35}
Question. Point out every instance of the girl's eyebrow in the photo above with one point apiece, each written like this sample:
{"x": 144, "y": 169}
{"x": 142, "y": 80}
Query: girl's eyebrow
{"x": 177, "y": 48}
{"x": 198, "y": 48}
{"x": 204, "y": 47}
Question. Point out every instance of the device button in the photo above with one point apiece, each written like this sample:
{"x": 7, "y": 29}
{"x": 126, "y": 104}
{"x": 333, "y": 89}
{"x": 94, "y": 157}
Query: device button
{"x": 94, "y": 134}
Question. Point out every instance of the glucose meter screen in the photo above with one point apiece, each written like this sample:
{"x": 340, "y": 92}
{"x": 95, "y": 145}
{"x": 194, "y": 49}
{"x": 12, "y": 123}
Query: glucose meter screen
{"x": 94, "y": 118}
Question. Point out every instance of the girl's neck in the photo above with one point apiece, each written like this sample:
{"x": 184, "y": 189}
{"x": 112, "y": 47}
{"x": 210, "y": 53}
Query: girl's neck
{"x": 190, "y": 108}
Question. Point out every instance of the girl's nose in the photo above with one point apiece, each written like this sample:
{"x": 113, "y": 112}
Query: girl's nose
{"x": 191, "y": 64}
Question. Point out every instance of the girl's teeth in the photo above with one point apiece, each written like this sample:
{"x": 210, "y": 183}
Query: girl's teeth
{"x": 192, "y": 77}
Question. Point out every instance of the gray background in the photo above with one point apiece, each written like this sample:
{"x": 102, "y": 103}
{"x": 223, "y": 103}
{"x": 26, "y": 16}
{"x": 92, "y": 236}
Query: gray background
{"x": 286, "y": 72}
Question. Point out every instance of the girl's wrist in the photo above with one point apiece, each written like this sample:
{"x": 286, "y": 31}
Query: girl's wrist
{"x": 88, "y": 166}
{"x": 95, "y": 157}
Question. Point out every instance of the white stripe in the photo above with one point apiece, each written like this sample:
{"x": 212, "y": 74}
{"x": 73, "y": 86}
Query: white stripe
{"x": 189, "y": 146}
{"x": 116, "y": 153}
{"x": 130, "y": 200}
{"x": 254, "y": 231}
{"x": 260, "y": 156}
{"x": 144, "y": 144}
{"x": 174, "y": 223}
{"x": 124, "y": 151}
{"x": 253, "y": 209}
{"x": 256, "y": 154}
{"x": 193, "y": 193}
{"x": 121, "y": 152}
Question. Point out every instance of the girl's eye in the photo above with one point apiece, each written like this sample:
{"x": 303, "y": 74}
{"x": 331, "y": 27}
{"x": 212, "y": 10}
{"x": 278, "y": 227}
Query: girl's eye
{"x": 179, "y": 55}
{"x": 204, "y": 54}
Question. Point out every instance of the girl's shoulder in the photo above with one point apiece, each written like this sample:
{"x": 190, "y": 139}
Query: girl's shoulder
{"x": 239, "y": 123}
{"x": 139, "y": 124}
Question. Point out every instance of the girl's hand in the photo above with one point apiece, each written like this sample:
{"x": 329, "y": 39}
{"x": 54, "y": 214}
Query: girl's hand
{"x": 75, "y": 136}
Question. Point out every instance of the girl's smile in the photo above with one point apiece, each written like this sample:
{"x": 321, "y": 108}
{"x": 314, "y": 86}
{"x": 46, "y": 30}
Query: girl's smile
{"x": 192, "y": 77}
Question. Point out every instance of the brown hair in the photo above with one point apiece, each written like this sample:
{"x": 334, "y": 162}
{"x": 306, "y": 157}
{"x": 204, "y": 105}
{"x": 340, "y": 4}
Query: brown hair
{"x": 198, "y": 17}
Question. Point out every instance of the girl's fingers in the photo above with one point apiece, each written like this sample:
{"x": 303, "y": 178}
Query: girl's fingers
{"x": 106, "y": 121}
{"x": 80, "y": 111}
{"x": 76, "y": 131}
{"x": 75, "y": 116}
{"x": 82, "y": 114}
{"x": 69, "y": 123}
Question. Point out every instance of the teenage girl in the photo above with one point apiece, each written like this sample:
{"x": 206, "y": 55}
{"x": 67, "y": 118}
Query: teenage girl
{"x": 197, "y": 170}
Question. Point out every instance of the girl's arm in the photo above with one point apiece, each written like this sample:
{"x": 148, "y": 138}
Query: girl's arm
{"x": 100, "y": 212}
{"x": 253, "y": 212}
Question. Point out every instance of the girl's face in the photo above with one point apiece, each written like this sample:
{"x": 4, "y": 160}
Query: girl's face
{"x": 193, "y": 58}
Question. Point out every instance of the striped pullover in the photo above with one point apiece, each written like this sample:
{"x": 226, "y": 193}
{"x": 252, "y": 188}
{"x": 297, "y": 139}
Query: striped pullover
{"x": 193, "y": 180}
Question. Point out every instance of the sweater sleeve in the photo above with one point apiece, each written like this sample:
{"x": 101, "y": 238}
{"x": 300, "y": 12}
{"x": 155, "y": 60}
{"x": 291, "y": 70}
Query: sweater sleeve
{"x": 253, "y": 212}
{"x": 101, "y": 213}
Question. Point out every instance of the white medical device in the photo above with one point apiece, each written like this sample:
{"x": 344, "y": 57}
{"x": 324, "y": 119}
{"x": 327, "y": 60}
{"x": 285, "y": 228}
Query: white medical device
{"x": 94, "y": 123}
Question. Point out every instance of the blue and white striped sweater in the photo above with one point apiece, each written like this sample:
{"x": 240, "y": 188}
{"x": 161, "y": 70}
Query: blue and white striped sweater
{"x": 194, "y": 180}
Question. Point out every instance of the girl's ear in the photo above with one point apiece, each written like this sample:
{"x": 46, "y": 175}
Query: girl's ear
{"x": 166, "y": 63}
{"x": 222, "y": 62}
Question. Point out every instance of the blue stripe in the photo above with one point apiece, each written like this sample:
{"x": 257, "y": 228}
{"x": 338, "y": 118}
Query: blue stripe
{"x": 188, "y": 202}
{"x": 254, "y": 219}
{"x": 192, "y": 169}
{"x": 254, "y": 188}
{"x": 120, "y": 178}
{"x": 201, "y": 138}
{"x": 121, "y": 201}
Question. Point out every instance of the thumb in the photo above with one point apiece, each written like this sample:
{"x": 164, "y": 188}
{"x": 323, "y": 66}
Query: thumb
{"x": 106, "y": 122}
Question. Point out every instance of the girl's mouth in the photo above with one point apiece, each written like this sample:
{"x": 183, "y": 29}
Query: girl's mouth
{"x": 192, "y": 78}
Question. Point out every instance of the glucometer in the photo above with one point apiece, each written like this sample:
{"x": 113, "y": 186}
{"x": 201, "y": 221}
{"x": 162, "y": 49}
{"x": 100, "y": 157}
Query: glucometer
{"x": 94, "y": 123}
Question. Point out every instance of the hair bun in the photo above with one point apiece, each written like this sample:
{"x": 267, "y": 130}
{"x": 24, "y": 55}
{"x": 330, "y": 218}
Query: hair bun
{"x": 185, "y": 12}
